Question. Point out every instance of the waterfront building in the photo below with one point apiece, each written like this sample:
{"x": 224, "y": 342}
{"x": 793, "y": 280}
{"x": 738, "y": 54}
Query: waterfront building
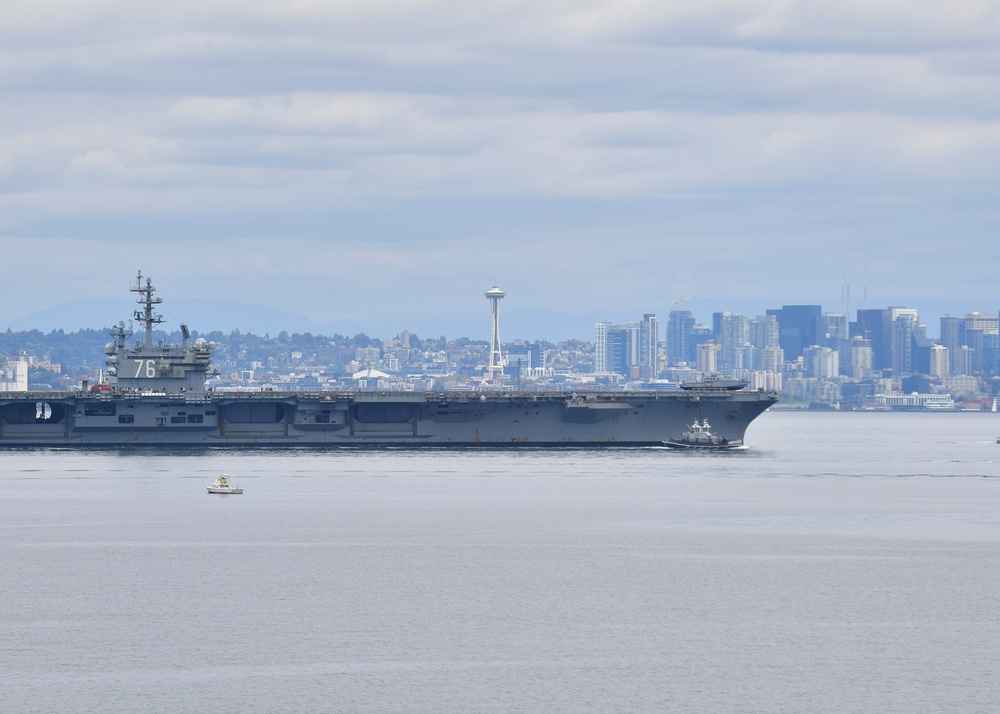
{"x": 961, "y": 384}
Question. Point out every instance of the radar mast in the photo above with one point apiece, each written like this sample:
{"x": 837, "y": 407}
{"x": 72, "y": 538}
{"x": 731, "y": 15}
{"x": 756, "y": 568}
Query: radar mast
{"x": 146, "y": 317}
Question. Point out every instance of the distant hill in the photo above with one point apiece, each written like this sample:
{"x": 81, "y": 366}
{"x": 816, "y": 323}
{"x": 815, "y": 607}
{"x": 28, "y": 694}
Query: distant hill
{"x": 199, "y": 315}
{"x": 204, "y": 315}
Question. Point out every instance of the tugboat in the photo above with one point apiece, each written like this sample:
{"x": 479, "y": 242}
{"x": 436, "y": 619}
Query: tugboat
{"x": 222, "y": 485}
{"x": 700, "y": 436}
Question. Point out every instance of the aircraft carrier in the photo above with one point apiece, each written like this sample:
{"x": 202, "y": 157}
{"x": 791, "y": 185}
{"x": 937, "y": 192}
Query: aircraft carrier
{"x": 156, "y": 395}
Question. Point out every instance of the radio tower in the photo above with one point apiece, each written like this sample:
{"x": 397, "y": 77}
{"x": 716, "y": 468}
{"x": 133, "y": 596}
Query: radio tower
{"x": 495, "y": 295}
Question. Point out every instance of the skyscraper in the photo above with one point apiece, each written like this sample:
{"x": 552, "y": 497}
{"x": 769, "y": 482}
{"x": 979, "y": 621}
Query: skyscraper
{"x": 798, "y": 327}
{"x": 649, "y": 330}
{"x": 876, "y": 326}
{"x": 680, "y": 338}
{"x": 616, "y": 348}
{"x": 764, "y": 332}
{"x": 734, "y": 334}
{"x": 601, "y": 347}
{"x": 951, "y": 332}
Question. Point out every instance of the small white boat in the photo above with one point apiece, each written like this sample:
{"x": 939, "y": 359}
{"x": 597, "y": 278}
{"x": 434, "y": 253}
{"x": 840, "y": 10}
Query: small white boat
{"x": 700, "y": 436}
{"x": 222, "y": 485}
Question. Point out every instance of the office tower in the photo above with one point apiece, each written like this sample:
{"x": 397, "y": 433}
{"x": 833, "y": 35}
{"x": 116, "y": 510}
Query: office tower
{"x": 601, "y": 347}
{"x": 876, "y": 326}
{"x": 939, "y": 361}
{"x": 951, "y": 327}
{"x": 649, "y": 330}
{"x": 904, "y": 322}
{"x": 680, "y": 337}
{"x": 734, "y": 334}
{"x": 861, "y": 357}
{"x": 821, "y": 362}
{"x": 706, "y": 358}
{"x": 797, "y": 327}
{"x": 765, "y": 332}
{"x": 616, "y": 348}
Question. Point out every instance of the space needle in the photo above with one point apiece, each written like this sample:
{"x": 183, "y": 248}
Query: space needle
{"x": 495, "y": 295}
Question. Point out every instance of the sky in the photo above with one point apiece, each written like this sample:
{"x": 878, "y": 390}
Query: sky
{"x": 380, "y": 164}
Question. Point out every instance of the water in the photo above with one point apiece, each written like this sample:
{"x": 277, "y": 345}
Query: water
{"x": 843, "y": 563}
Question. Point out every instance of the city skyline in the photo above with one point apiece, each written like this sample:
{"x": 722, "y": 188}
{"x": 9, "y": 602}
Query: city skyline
{"x": 211, "y": 315}
{"x": 379, "y": 162}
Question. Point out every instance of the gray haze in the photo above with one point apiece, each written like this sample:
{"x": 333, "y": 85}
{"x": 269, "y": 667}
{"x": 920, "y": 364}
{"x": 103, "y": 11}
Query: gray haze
{"x": 384, "y": 163}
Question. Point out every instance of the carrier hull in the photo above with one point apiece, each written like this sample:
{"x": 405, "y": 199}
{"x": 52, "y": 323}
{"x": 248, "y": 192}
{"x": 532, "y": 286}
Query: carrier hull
{"x": 331, "y": 419}
{"x": 157, "y": 396}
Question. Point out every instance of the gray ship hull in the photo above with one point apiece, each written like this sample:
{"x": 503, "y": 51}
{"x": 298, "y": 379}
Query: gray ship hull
{"x": 331, "y": 419}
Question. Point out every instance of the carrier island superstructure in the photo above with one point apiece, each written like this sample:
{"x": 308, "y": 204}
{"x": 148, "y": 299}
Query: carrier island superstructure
{"x": 156, "y": 395}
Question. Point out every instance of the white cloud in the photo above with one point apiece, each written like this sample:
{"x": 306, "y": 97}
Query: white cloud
{"x": 96, "y": 164}
{"x": 581, "y": 137}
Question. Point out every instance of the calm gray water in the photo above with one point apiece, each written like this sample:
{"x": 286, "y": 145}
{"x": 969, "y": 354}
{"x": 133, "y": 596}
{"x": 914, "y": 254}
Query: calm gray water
{"x": 842, "y": 563}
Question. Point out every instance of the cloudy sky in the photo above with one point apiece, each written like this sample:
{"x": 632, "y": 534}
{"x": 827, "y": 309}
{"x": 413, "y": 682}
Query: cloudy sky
{"x": 387, "y": 161}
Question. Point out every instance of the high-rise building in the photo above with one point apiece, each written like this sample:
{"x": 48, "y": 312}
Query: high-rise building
{"x": 680, "y": 337}
{"x": 706, "y": 360}
{"x": 987, "y": 322}
{"x": 601, "y": 347}
{"x": 904, "y": 323}
{"x": 765, "y": 332}
{"x": 831, "y": 330}
{"x": 617, "y": 348}
{"x": 973, "y": 339}
{"x": 892, "y": 340}
{"x": 649, "y": 342}
{"x": 734, "y": 335}
{"x": 523, "y": 355}
{"x": 623, "y": 348}
{"x": 771, "y": 359}
{"x": 962, "y": 360}
{"x": 861, "y": 357}
{"x": 628, "y": 349}
{"x": 951, "y": 327}
{"x": 798, "y": 327}
{"x": 939, "y": 362}
{"x": 821, "y": 362}
{"x": 990, "y": 360}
